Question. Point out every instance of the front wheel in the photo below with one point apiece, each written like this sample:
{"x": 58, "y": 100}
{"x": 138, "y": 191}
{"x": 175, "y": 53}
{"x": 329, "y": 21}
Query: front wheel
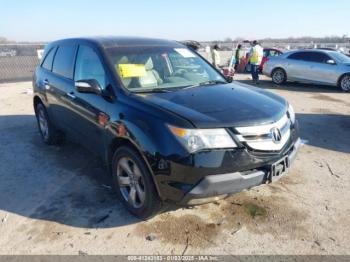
{"x": 134, "y": 184}
{"x": 345, "y": 83}
{"x": 279, "y": 76}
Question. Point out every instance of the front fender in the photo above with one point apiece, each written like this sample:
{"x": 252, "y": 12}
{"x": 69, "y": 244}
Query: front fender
{"x": 150, "y": 136}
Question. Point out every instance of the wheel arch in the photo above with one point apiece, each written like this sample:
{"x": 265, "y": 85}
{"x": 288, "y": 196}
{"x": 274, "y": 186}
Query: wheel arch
{"x": 341, "y": 76}
{"x": 36, "y": 100}
{"x": 279, "y": 67}
{"x": 118, "y": 142}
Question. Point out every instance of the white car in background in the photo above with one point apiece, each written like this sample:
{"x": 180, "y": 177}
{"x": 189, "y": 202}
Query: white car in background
{"x": 310, "y": 66}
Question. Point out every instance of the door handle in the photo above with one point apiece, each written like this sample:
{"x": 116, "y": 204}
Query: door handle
{"x": 46, "y": 84}
{"x": 71, "y": 95}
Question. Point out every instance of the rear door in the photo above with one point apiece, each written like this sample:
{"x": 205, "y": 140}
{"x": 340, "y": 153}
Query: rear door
{"x": 44, "y": 77}
{"x": 298, "y": 66}
{"x": 61, "y": 86}
{"x": 89, "y": 109}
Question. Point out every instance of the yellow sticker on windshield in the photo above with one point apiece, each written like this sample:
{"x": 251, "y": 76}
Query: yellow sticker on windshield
{"x": 132, "y": 70}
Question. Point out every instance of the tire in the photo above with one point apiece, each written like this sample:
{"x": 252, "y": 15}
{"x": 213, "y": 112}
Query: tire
{"x": 279, "y": 76}
{"x": 344, "y": 83}
{"x": 130, "y": 174}
{"x": 49, "y": 133}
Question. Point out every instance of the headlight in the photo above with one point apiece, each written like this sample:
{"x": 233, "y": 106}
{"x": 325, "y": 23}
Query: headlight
{"x": 197, "y": 139}
{"x": 291, "y": 113}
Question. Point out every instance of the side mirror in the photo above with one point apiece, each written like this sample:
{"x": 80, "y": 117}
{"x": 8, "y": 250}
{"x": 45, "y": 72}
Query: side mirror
{"x": 229, "y": 79}
{"x": 331, "y": 62}
{"x": 88, "y": 86}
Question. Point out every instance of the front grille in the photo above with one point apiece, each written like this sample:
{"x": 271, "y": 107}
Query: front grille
{"x": 261, "y": 137}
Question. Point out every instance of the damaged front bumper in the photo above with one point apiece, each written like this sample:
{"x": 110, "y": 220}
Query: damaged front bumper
{"x": 212, "y": 187}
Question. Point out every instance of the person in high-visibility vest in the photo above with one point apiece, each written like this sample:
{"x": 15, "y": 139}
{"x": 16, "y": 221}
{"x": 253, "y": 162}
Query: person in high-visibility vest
{"x": 238, "y": 56}
{"x": 215, "y": 56}
{"x": 256, "y": 55}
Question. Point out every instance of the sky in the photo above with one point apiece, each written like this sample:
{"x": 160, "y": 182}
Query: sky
{"x": 38, "y": 20}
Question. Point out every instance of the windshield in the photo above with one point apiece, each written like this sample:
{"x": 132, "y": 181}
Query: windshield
{"x": 143, "y": 68}
{"x": 341, "y": 57}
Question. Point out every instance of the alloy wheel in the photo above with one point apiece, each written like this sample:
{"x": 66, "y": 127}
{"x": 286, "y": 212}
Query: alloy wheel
{"x": 131, "y": 183}
{"x": 278, "y": 76}
{"x": 345, "y": 83}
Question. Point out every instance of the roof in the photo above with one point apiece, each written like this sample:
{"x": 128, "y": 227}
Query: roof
{"x": 312, "y": 50}
{"x": 115, "y": 41}
{"x": 287, "y": 53}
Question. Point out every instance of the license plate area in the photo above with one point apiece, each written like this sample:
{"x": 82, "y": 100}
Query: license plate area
{"x": 278, "y": 169}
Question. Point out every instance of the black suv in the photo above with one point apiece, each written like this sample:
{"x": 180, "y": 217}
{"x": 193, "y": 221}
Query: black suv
{"x": 169, "y": 126}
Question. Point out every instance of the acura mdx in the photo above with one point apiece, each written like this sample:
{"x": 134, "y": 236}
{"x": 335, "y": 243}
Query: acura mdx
{"x": 169, "y": 126}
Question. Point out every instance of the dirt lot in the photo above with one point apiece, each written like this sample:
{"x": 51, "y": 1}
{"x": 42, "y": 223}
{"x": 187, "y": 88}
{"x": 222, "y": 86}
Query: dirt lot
{"x": 56, "y": 200}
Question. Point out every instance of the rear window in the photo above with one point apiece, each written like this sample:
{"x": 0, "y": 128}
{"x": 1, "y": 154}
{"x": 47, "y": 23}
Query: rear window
{"x": 47, "y": 64}
{"x": 64, "y": 61}
{"x": 298, "y": 56}
{"x": 316, "y": 57}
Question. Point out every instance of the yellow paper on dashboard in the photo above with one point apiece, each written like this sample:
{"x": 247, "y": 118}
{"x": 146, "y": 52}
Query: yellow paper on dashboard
{"x": 132, "y": 70}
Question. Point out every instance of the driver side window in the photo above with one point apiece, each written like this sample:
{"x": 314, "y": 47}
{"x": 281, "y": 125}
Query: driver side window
{"x": 89, "y": 66}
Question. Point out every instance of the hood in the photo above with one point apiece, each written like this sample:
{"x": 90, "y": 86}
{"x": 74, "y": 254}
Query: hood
{"x": 224, "y": 105}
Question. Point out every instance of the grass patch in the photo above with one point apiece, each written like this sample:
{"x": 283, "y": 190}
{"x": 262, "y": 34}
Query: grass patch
{"x": 255, "y": 210}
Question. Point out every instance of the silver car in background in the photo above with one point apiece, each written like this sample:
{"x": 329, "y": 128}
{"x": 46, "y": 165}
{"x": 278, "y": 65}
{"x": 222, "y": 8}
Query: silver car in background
{"x": 310, "y": 66}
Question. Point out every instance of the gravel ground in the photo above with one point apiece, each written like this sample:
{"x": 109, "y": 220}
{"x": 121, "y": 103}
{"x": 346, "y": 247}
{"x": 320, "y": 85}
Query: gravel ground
{"x": 57, "y": 200}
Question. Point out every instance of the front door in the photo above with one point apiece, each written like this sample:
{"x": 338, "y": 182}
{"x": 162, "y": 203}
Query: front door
{"x": 89, "y": 109}
{"x": 321, "y": 71}
{"x": 298, "y": 67}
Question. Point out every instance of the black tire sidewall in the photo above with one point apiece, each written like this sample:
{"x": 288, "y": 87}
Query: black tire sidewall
{"x": 41, "y": 107}
{"x": 152, "y": 204}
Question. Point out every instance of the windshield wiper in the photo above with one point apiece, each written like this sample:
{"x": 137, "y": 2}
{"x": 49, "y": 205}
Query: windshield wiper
{"x": 153, "y": 90}
{"x": 206, "y": 83}
{"x": 171, "y": 89}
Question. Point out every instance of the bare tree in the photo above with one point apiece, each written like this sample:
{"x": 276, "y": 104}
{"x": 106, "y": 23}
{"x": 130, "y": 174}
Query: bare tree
{"x": 3, "y": 40}
{"x": 228, "y": 40}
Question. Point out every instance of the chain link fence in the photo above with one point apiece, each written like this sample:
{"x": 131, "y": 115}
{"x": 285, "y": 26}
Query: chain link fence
{"x": 18, "y": 61}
